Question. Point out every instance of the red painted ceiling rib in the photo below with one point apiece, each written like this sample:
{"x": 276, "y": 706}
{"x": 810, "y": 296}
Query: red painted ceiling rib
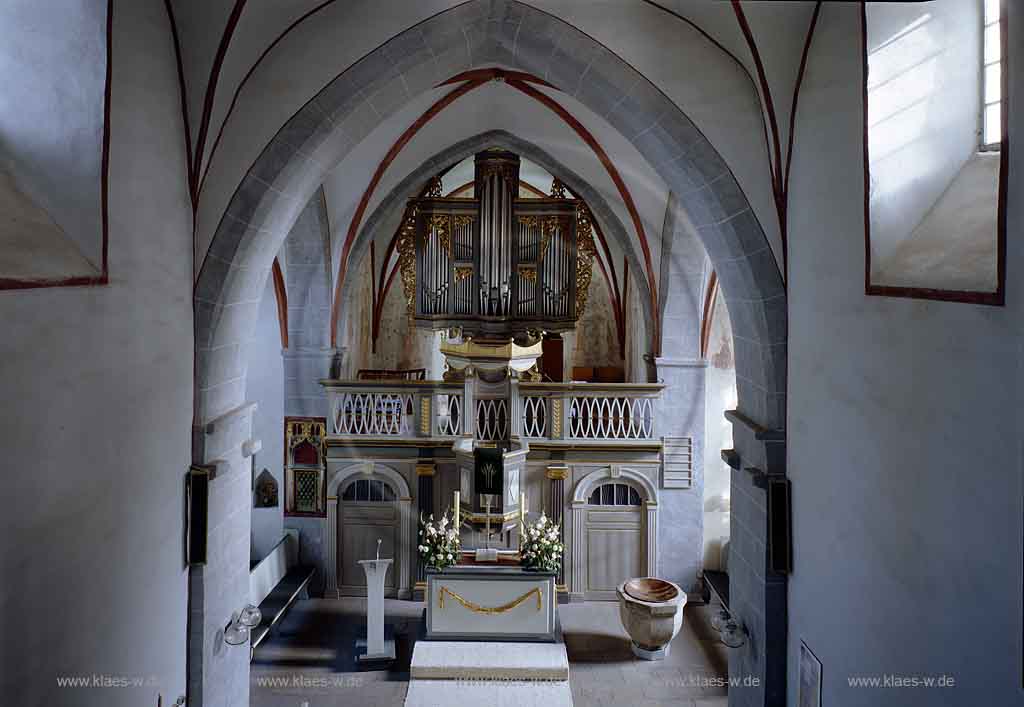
{"x": 616, "y": 178}
{"x": 709, "y": 313}
{"x": 479, "y": 78}
{"x": 495, "y": 73}
{"x": 396, "y": 148}
{"x": 769, "y": 107}
{"x": 184, "y": 107}
{"x": 245, "y": 79}
{"x": 211, "y": 86}
{"x": 792, "y": 133}
{"x": 281, "y": 295}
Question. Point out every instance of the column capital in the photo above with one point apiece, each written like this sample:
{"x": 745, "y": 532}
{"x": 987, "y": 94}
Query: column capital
{"x": 666, "y": 362}
{"x": 557, "y": 472}
{"x": 310, "y": 352}
{"x": 425, "y": 468}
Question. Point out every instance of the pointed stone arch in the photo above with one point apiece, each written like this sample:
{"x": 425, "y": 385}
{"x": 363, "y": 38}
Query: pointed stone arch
{"x": 387, "y": 216}
{"x": 479, "y": 34}
{"x": 502, "y": 33}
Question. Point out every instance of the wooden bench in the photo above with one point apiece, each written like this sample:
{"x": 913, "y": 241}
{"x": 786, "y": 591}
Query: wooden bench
{"x": 718, "y": 584}
{"x": 275, "y": 583}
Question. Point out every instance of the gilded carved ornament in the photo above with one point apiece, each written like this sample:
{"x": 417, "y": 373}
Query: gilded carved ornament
{"x": 585, "y": 251}
{"x": 407, "y": 259}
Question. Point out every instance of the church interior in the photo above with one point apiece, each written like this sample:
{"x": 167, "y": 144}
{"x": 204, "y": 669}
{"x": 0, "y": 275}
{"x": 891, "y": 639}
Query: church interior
{"x": 514, "y": 352}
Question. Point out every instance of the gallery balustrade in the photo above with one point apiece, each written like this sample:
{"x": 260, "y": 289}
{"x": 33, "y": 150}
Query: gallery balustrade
{"x": 577, "y": 413}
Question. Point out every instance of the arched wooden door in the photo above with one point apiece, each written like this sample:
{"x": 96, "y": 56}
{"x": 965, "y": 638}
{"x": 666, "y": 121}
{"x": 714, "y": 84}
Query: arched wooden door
{"x": 368, "y": 511}
{"x": 614, "y": 528}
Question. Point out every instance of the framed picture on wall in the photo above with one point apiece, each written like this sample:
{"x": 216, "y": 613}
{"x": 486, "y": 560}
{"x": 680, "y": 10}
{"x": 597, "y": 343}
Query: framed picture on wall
{"x": 809, "y": 694}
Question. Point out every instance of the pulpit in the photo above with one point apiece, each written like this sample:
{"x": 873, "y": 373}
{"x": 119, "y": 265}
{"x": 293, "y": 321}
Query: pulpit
{"x": 378, "y": 651}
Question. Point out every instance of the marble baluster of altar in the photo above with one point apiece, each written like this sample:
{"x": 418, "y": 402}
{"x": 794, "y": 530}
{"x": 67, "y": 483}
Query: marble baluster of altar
{"x": 425, "y": 473}
{"x": 557, "y": 474}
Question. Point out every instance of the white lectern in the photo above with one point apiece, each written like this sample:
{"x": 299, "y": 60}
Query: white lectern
{"x": 378, "y": 651}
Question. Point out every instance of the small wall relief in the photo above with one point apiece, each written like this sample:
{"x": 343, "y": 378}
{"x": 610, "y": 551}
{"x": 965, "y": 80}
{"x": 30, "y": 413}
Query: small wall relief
{"x": 265, "y": 494}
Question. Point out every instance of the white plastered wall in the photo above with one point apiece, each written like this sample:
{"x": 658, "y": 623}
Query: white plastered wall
{"x": 904, "y": 435}
{"x": 264, "y": 385}
{"x": 97, "y": 428}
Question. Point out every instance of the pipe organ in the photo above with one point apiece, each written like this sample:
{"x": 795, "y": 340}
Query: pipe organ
{"x": 496, "y": 266}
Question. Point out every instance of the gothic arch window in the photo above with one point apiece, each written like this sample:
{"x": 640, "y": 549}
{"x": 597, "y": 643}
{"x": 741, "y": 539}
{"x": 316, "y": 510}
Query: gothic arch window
{"x": 614, "y": 494}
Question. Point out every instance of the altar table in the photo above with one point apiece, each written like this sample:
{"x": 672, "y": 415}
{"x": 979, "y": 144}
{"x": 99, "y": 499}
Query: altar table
{"x": 491, "y": 603}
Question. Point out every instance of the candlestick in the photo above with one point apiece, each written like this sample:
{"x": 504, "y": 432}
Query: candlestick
{"x": 522, "y": 517}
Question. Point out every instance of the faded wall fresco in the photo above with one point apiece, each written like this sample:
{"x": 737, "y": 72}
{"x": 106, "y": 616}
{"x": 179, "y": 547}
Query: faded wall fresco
{"x": 596, "y": 342}
{"x": 399, "y": 344}
{"x": 720, "y": 386}
{"x": 357, "y": 323}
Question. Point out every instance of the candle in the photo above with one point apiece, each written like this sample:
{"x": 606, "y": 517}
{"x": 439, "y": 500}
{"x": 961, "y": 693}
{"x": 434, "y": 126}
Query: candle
{"x": 456, "y": 518}
{"x": 522, "y": 516}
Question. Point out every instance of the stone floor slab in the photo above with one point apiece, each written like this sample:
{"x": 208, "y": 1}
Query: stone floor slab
{"x": 497, "y": 693}
{"x": 472, "y": 660}
{"x": 313, "y": 659}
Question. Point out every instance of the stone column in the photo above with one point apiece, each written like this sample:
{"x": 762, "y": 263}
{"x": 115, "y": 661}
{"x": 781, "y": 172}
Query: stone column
{"x": 425, "y": 472}
{"x": 680, "y": 414}
{"x": 219, "y": 673}
{"x": 557, "y": 474}
{"x": 405, "y": 532}
{"x": 578, "y": 568}
{"x": 515, "y": 408}
{"x": 757, "y": 593}
{"x": 651, "y": 507}
{"x": 330, "y": 563}
{"x": 306, "y": 262}
{"x": 304, "y": 367}
{"x": 679, "y": 422}
{"x": 469, "y": 402}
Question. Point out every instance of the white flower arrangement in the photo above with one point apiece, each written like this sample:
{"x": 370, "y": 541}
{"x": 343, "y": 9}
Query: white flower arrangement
{"x": 439, "y": 545}
{"x": 542, "y": 547}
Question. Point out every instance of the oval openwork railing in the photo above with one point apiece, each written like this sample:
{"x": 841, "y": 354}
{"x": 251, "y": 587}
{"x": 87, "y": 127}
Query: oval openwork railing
{"x": 491, "y": 419}
{"x": 604, "y": 417}
{"x": 535, "y": 416}
{"x": 544, "y": 413}
{"x": 449, "y": 414}
{"x": 387, "y": 414}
